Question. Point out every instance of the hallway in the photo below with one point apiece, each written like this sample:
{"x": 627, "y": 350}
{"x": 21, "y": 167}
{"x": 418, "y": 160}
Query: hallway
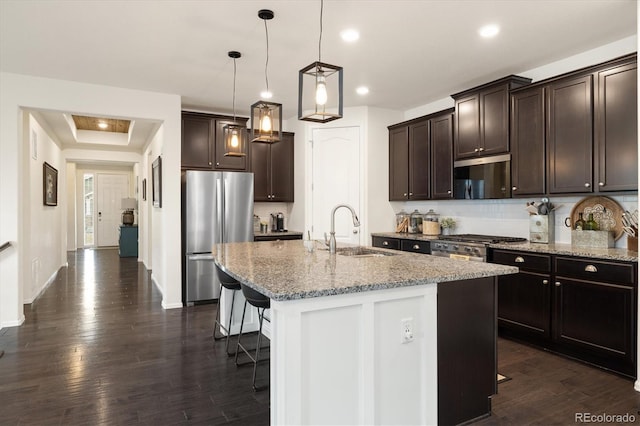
{"x": 97, "y": 348}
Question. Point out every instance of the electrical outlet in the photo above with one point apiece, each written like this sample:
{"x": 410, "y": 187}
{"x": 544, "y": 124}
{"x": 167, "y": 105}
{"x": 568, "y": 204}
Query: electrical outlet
{"x": 406, "y": 330}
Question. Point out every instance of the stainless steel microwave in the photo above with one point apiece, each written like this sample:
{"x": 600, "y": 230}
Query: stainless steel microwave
{"x": 482, "y": 178}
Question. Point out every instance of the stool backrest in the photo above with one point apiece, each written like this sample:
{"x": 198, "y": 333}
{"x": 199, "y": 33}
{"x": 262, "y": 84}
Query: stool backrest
{"x": 255, "y": 298}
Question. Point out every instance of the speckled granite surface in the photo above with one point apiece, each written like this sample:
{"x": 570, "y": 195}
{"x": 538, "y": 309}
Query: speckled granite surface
{"x": 405, "y": 236}
{"x": 619, "y": 254}
{"x": 284, "y": 270}
{"x": 277, "y": 234}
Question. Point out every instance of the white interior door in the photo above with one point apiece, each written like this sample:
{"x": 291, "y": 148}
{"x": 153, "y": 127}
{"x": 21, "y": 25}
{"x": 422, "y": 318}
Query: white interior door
{"x": 335, "y": 180}
{"x": 111, "y": 189}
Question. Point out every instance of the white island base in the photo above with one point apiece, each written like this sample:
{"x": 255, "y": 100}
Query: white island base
{"x": 341, "y": 359}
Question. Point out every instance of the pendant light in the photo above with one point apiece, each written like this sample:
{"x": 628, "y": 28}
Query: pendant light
{"x": 234, "y": 135}
{"x": 266, "y": 117}
{"x": 321, "y": 84}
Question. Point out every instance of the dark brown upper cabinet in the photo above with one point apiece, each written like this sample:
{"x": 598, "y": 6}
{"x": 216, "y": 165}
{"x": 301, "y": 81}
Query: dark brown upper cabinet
{"x": 570, "y": 135}
{"x": 409, "y": 161}
{"x": 441, "y": 127}
{"x": 420, "y": 158}
{"x": 616, "y": 130}
{"x": 481, "y": 124}
{"x": 528, "y": 153}
{"x": 586, "y": 121}
{"x": 203, "y": 143}
{"x": 272, "y": 167}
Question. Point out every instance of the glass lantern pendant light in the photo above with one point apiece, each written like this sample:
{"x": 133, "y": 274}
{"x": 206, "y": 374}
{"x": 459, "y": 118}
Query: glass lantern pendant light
{"x": 320, "y": 88}
{"x": 266, "y": 117}
{"x": 234, "y": 132}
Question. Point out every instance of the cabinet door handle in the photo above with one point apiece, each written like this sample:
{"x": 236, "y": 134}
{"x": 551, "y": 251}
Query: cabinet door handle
{"x": 545, "y": 282}
{"x": 514, "y": 188}
{"x": 405, "y": 194}
{"x": 385, "y": 243}
{"x": 209, "y": 162}
{"x": 217, "y": 164}
{"x": 476, "y": 150}
{"x": 449, "y": 192}
{"x": 481, "y": 149}
{"x": 416, "y": 247}
{"x": 411, "y": 193}
{"x": 558, "y": 283}
{"x": 587, "y": 185}
{"x": 590, "y": 268}
{"x": 600, "y": 183}
{"x": 519, "y": 259}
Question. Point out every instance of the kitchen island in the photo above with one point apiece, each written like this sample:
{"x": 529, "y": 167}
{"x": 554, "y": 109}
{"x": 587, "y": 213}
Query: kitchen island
{"x": 363, "y": 339}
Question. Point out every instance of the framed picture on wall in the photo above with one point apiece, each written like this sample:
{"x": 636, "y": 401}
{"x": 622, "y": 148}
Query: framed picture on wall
{"x": 49, "y": 185}
{"x": 144, "y": 189}
{"x": 156, "y": 182}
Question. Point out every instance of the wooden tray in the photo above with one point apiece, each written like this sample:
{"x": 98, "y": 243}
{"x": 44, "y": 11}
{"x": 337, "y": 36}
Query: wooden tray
{"x": 606, "y": 211}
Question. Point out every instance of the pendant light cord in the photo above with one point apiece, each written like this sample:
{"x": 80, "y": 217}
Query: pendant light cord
{"x": 234, "y": 89}
{"x": 320, "y": 39}
{"x": 266, "y": 63}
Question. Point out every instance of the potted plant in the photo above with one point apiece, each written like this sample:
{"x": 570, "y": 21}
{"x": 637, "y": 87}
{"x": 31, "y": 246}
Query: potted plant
{"x": 447, "y": 224}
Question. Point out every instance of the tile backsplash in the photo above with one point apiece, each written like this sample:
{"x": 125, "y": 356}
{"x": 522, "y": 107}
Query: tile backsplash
{"x": 503, "y": 217}
{"x": 264, "y": 210}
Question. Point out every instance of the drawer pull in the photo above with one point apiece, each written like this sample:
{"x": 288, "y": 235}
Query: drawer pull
{"x": 558, "y": 284}
{"x": 519, "y": 259}
{"x": 545, "y": 282}
{"x": 385, "y": 243}
{"x": 590, "y": 268}
{"x": 416, "y": 247}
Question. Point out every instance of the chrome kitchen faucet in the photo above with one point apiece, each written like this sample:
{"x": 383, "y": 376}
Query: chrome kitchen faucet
{"x": 331, "y": 242}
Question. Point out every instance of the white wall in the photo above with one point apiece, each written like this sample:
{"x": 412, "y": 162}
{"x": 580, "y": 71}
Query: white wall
{"x": 21, "y": 92}
{"x": 45, "y": 236}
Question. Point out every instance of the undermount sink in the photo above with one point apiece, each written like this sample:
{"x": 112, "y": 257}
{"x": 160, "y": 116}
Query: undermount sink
{"x": 362, "y": 252}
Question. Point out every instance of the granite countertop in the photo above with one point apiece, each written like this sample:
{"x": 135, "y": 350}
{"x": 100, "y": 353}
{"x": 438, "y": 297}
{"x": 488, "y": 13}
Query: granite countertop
{"x": 276, "y": 234}
{"x": 284, "y": 270}
{"x": 405, "y": 236}
{"x": 619, "y": 254}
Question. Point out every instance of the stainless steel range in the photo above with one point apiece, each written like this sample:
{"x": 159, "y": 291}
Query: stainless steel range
{"x": 468, "y": 246}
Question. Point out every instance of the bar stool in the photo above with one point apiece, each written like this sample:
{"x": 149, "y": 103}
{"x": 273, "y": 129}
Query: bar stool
{"x": 261, "y": 302}
{"x": 231, "y": 284}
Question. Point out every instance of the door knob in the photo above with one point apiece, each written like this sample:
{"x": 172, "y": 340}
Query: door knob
{"x": 355, "y": 231}
{"x": 545, "y": 282}
{"x": 587, "y": 185}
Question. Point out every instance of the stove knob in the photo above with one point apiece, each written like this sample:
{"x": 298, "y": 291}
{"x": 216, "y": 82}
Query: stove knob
{"x": 456, "y": 248}
{"x": 467, "y": 249}
{"x": 476, "y": 250}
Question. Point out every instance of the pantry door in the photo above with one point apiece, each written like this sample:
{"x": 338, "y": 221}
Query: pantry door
{"x": 335, "y": 180}
{"x": 111, "y": 189}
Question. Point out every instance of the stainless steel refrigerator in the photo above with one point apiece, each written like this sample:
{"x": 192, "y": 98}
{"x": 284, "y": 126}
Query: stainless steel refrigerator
{"x": 217, "y": 207}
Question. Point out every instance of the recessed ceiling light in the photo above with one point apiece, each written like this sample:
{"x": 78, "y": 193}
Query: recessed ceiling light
{"x": 362, "y": 90}
{"x": 266, "y": 95}
{"x": 350, "y": 35}
{"x": 489, "y": 31}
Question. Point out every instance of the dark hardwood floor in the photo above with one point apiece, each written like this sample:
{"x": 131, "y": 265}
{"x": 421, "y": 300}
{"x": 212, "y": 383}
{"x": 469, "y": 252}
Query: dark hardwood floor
{"x": 97, "y": 348}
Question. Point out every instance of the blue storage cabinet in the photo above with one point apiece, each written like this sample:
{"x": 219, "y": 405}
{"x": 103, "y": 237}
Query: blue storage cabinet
{"x": 128, "y": 242}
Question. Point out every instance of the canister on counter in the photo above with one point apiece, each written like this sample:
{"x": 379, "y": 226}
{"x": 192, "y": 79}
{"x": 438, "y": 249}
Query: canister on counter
{"x": 431, "y": 223}
{"x": 415, "y": 222}
{"x": 402, "y": 221}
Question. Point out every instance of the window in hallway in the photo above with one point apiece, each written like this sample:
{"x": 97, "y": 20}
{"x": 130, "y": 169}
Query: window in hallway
{"x": 89, "y": 234}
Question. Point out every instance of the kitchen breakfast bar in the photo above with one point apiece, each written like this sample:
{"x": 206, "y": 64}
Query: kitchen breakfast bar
{"x": 373, "y": 336}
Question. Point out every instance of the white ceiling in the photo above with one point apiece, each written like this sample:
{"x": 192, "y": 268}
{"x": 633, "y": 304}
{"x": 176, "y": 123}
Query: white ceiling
{"x": 410, "y": 52}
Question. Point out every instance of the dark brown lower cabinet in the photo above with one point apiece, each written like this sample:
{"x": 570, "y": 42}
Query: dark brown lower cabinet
{"x": 404, "y": 244}
{"x": 583, "y": 308}
{"x": 466, "y": 349}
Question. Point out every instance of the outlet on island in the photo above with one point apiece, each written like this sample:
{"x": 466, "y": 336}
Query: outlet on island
{"x": 406, "y": 330}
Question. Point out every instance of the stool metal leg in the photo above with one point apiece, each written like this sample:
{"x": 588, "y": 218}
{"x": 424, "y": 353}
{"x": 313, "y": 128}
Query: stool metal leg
{"x": 255, "y": 364}
{"x": 238, "y": 345}
{"x": 218, "y": 322}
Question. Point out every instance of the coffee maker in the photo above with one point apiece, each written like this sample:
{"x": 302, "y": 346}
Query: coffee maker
{"x": 277, "y": 222}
